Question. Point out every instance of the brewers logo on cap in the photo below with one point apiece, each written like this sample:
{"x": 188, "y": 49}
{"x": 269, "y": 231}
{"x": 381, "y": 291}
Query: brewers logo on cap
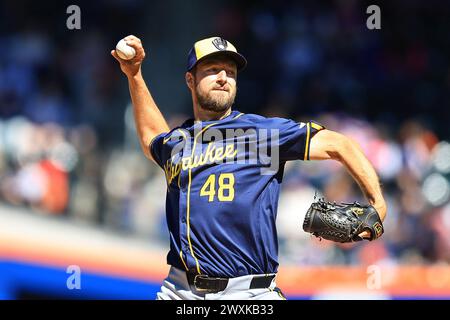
{"x": 220, "y": 43}
{"x": 214, "y": 46}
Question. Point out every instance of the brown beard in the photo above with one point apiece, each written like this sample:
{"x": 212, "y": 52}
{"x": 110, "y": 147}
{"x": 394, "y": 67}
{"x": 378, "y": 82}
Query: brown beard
{"x": 207, "y": 102}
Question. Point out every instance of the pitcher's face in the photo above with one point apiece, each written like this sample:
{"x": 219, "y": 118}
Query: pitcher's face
{"x": 215, "y": 83}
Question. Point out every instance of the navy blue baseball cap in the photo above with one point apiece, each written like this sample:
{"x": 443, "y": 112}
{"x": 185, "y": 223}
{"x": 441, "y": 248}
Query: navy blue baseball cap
{"x": 211, "y": 47}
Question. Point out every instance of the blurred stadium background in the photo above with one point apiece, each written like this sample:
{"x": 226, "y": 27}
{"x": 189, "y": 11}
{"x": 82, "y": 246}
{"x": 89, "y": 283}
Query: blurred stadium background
{"x": 75, "y": 189}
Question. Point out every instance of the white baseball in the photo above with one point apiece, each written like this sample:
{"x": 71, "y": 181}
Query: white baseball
{"x": 124, "y": 51}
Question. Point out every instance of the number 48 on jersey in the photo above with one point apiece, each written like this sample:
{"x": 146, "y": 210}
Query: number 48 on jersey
{"x": 225, "y": 190}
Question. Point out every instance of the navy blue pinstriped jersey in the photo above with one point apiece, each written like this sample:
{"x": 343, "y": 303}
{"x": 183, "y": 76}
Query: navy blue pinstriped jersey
{"x": 223, "y": 183}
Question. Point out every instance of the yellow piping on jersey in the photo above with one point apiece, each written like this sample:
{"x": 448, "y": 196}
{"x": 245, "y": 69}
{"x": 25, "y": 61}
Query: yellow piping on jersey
{"x": 316, "y": 126}
{"x": 170, "y": 137}
{"x": 179, "y": 175}
{"x": 189, "y": 196}
{"x": 182, "y": 260}
{"x": 306, "y": 157}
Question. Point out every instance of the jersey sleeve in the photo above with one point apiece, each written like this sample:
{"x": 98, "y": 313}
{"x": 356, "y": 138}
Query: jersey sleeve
{"x": 295, "y": 138}
{"x": 163, "y": 145}
{"x": 157, "y": 148}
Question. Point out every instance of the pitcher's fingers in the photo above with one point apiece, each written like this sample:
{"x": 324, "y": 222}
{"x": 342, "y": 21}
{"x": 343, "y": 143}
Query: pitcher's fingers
{"x": 119, "y": 59}
{"x": 140, "y": 53}
{"x": 134, "y": 43}
{"x": 114, "y": 54}
{"x": 132, "y": 37}
{"x": 365, "y": 234}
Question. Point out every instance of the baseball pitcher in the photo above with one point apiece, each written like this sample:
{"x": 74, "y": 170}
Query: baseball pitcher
{"x": 224, "y": 169}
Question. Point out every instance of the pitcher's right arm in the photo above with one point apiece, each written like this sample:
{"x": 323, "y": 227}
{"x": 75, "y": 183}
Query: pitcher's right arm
{"x": 149, "y": 120}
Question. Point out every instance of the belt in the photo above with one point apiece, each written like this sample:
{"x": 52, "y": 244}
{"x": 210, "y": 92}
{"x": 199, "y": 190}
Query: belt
{"x": 204, "y": 283}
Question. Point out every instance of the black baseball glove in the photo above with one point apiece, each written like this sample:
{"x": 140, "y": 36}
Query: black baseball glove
{"x": 342, "y": 222}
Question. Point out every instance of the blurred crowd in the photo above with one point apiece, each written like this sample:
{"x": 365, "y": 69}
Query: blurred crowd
{"x": 312, "y": 57}
{"x": 68, "y": 146}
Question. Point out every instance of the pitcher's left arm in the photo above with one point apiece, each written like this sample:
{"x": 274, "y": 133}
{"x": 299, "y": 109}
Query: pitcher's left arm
{"x": 328, "y": 144}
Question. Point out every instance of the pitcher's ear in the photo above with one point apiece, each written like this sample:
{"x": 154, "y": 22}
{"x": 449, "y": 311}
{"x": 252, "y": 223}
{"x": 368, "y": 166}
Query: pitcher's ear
{"x": 189, "y": 80}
